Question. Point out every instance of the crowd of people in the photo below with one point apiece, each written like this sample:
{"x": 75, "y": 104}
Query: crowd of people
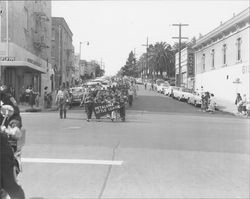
{"x": 241, "y": 103}
{"x": 114, "y": 98}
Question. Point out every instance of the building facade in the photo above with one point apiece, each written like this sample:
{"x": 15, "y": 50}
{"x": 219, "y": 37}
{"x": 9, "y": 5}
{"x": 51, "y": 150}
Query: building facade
{"x": 25, "y": 58}
{"x": 88, "y": 69}
{"x": 76, "y": 71}
{"x": 187, "y": 68}
{"x": 222, "y": 59}
{"x": 62, "y": 52}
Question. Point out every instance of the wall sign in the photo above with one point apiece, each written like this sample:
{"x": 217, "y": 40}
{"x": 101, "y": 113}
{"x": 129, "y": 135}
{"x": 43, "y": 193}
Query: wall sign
{"x": 34, "y": 62}
{"x": 7, "y": 58}
{"x": 190, "y": 64}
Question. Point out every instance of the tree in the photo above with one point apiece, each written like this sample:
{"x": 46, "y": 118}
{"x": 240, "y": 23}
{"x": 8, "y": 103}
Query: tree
{"x": 98, "y": 71}
{"x": 162, "y": 59}
{"x": 129, "y": 69}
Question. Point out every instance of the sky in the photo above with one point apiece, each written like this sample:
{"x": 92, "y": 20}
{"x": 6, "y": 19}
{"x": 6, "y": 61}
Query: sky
{"x": 115, "y": 28}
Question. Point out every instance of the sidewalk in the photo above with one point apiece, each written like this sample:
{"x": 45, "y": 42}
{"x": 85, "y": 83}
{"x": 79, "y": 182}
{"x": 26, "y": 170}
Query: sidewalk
{"x": 27, "y": 108}
{"x": 226, "y": 106}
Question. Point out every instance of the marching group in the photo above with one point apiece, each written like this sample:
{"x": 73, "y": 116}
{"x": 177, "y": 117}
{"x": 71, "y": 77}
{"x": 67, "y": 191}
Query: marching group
{"x": 113, "y": 100}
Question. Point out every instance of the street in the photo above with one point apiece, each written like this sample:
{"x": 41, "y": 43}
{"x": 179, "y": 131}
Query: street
{"x": 165, "y": 149}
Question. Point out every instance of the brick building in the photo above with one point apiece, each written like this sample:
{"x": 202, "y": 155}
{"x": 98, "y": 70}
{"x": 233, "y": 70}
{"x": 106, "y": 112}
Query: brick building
{"x": 25, "y": 41}
{"x": 62, "y": 52}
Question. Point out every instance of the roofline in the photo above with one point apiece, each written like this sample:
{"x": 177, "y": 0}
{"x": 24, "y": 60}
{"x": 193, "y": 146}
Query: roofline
{"x": 64, "y": 22}
{"x": 229, "y": 23}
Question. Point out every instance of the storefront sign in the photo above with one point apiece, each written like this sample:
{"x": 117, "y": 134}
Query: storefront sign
{"x": 104, "y": 109}
{"x": 190, "y": 64}
{"x": 34, "y": 62}
{"x": 7, "y": 58}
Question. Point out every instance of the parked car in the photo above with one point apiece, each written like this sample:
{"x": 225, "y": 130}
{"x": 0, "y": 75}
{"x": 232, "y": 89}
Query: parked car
{"x": 139, "y": 81}
{"x": 176, "y": 92}
{"x": 162, "y": 86}
{"x": 168, "y": 91}
{"x": 76, "y": 95}
{"x": 195, "y": 99}
{"x": 186, "y": 93}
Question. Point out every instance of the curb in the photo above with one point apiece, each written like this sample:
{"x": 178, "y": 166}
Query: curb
{"x": 35, "y": 110}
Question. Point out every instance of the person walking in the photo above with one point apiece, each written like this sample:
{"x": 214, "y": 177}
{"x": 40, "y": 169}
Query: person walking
{"x": 89, "y": 102}
{"x": 130, "y": 97}
{"x": 61, "y": 101}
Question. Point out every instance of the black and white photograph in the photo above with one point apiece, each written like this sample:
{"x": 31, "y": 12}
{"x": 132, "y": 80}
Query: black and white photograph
{"x": 125, "y": 99}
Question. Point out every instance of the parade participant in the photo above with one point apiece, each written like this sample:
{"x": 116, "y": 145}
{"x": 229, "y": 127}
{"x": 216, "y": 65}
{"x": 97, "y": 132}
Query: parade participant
{"x": 88, "y": 102}
{"x": 98, "y": 100}
{"x": 8, "y": 180}
{"x": 61, "y": 101}
{"x": 122, "y": 101}
{"x": 109, "y": 101}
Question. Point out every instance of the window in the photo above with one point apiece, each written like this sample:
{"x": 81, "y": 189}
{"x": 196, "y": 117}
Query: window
{"x": 238, "y": 46}
{"x": 53, "y": 35}
{"x": 203, "y": 62}
{"x": 26, "y": 18}
{"x": 212, "y": 58}
{"x": 224, "y": 50}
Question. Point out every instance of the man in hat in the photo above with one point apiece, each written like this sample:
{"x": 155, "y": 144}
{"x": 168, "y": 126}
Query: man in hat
{"x": 89, "y": 102}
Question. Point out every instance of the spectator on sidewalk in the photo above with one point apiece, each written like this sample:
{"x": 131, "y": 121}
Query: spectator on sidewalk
{"x": 238, "y": 102}
{"x": 244, "y": 104}
{"x": 130, "y": 97}
{"x": 31, "y": 97}
{"x": 45, "y": 98}
{"x": 211, "y": 104}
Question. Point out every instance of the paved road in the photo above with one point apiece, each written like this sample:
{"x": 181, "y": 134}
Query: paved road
{"x": 166, "y": 149}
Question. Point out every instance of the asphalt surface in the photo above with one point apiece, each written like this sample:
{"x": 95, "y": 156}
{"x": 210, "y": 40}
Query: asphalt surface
{"x": 165, "y": 149}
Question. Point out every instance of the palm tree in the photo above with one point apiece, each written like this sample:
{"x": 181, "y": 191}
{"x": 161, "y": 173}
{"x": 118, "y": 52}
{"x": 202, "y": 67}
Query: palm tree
{"x": 163, "y": 59}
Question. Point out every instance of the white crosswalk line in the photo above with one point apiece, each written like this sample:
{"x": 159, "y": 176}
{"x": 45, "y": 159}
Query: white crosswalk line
{"x": 71, "y": 161}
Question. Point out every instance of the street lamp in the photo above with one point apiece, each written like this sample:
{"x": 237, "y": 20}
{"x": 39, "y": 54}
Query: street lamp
{"x": 87, "y": 43}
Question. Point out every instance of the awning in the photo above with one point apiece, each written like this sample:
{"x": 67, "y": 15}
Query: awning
{"x": 18, "y": 64}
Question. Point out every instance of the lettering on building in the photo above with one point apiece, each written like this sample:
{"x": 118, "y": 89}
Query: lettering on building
{"x": 7, "y": 58}
{"x": 190, "y": 64}
{"x": 34, "y": 62}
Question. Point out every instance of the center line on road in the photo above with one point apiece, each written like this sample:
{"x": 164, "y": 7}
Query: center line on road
{"x": 72, "y": 161}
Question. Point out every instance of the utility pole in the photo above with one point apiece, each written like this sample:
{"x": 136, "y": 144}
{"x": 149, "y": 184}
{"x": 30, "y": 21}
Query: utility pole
{"x": 146, "y": 55}
{"x": 180, "y": 37}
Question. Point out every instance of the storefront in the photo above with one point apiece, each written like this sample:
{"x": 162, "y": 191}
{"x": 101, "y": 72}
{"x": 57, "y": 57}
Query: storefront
{"x": 21, "y": 74}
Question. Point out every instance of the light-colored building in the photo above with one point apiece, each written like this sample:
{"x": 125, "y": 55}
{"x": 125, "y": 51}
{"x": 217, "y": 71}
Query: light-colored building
{"x": 25, "y": 42}
{"x": 62, "y": 52}
{"x": 88, "y": 69}
{"x": 187, "y": 67}
{"x": 222, "y": 59}
{"x": 76, "y": 72}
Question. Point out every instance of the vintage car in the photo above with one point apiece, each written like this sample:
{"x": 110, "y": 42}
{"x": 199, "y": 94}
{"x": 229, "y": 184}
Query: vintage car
{"x": 195, "y": 99}
{"x": 76, "y": 95}
{"x": 160, "y": 88}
